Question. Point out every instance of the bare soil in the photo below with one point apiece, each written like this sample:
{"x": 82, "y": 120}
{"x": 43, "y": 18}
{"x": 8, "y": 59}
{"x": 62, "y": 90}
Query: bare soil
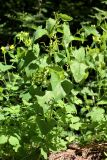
{"x": 93, "y": 151}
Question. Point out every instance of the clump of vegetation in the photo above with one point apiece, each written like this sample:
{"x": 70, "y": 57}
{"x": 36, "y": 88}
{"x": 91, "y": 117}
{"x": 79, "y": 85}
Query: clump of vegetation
{"x": 53, "y": 93}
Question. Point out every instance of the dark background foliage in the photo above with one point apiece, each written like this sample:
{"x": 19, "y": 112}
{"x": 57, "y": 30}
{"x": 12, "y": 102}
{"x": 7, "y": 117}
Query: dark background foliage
{"x": 13, "y": 14}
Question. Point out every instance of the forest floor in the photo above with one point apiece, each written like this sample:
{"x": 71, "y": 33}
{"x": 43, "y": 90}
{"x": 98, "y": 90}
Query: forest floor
{"x": 96, "y": 151}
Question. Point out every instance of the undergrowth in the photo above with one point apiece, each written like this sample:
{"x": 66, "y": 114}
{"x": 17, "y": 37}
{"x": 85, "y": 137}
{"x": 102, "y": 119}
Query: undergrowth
{"x": 53, "y": 93}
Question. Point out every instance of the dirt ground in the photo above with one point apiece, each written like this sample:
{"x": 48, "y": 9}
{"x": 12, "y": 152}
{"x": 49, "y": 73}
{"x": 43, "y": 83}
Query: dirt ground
{"x": 93, "y": 151}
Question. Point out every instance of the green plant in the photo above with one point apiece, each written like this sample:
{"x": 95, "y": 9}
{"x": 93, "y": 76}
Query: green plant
{"x": 51, "y": 92}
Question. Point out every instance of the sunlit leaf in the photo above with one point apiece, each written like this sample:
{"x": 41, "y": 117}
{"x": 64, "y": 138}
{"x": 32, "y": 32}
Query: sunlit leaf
{"x": 50, "y": 23}
{"x": 67, "y": 38}
{"x": 79, "y": 54}
{"x": 79, "y": 71}
{"x": 3, "y": 139}
{"x": 14, "y": 141}
{"x": 91, "y": 30}
{"x": 65, "y": 17}
{"x": 43, "y": 153}
{"x": 97, "y": 114}
{"x": 103, "y": 101}
{"x": 39, "y": 33}
{"x": 4, "y": 68}
{"x": 70, "y": 108}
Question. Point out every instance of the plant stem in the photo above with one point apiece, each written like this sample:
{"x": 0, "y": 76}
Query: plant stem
{"x": 68, "y": 56}
{"x": 6, "y": 64}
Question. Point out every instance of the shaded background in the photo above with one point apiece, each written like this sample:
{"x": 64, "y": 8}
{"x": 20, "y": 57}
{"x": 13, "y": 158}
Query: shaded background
{"x": 27, "y": 15}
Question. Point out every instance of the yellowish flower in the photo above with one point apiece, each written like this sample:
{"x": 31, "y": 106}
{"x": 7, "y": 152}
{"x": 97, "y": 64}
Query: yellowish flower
{"x": 3, "y": 49}
{"x": 96, "y": 39}
{"x": 28, "y": 42}
{"x": 12, "y": 47}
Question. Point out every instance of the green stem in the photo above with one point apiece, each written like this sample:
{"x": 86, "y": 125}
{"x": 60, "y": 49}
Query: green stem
{"x": 6, "y": 64}
{"x": 68, "y": 56}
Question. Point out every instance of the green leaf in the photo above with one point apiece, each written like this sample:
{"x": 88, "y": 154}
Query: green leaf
{"x": 70, "y": 138}
{"x": 2, "y": 117}
{"x": 16, "y": 148}
{"x": 75, "y": 126}
{"x": 67, "y": 86}
{"x": 31, "y": 68}
{"x": 97, "y": 114}
{"x": 50, "y": 23}
{"x": 43, "y": 153}
{"x": 21, "y": 52}
{"x": 77, "y": 38}
{"x": 44, "y": 125}
{"x": 75, "y": 119}
{"x": 3, "y": 139}
{"x": 56, "y": 78}
{"x": 65, "y": 17}
{"x": 14, "y": 141}
{"x": 1, "y": 89}
{"x": 75, "y": 123}
{"x": 56, "y": 69}
{"x": 58, "y": 92}
{"x": 66, "y": 35}
{"x": 4, "y": 68}
{"x": 75, "y": 91}
{"x": 13, "y": 110}
{"x": 79, "y": 71}
{"x": 36, "y": 49}
{"x": 12, "y": 87}
{"x": 91, "y": 30}
{"x": 102, "y": 101}
{"x": 79, "y": 54}
{"x": 25, "y": 96}
{"x": 87, "y": 91}
{"x": 39, "y": 33}
{"x": 45, "y": 99}
{"x": 70, "y": 108}
{"x": 76, "y": 100}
